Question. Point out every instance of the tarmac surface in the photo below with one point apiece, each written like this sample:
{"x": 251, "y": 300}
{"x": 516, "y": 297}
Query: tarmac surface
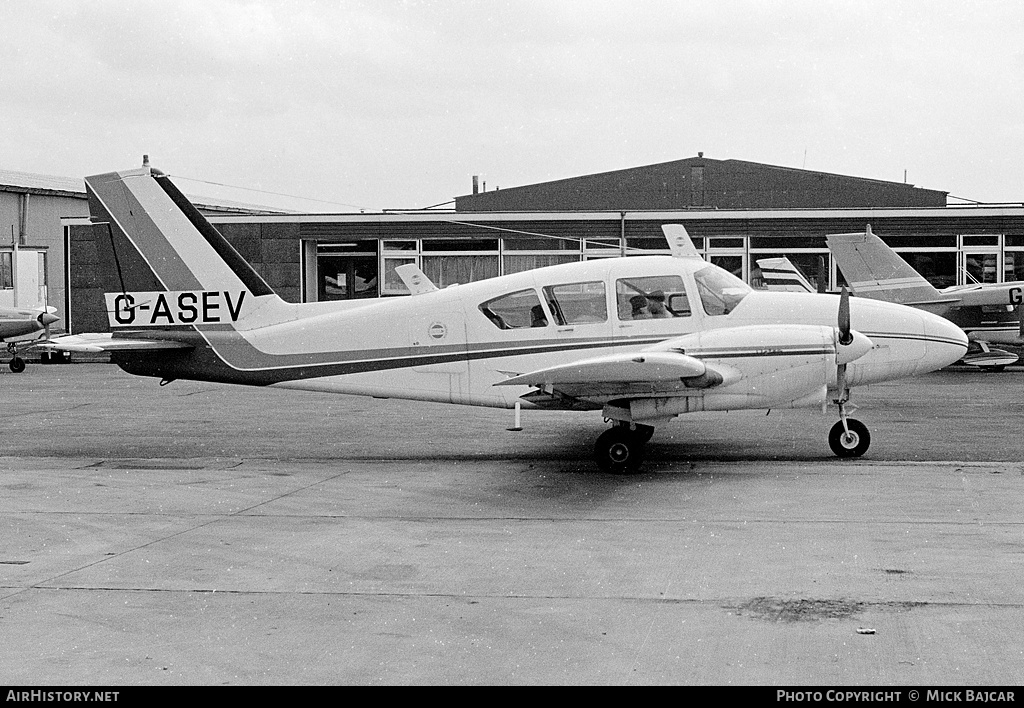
{"x": 201, "y": 534}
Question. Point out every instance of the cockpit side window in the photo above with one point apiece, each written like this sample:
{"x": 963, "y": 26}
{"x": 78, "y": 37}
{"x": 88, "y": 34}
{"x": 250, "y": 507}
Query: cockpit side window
{"x": 720, "y": 291}
{"x": 577, "y": 303}
{"x": 651, "y": 297}
{"x": 517, "y": 310}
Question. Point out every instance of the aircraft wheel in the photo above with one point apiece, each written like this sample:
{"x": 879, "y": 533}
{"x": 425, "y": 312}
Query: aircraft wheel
{"x": 643, "y": 433}
{"x": 619, "y": 450}
{"x": 17, "y": 365}
{"x": 853, "y": 444}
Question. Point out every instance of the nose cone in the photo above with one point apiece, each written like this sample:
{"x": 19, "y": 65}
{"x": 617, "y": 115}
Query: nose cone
{"x": 47, "y": 319}
{"x": 909, "y": 342}
{"x": 946, "y": 343}
{"x": 858, "y": 347}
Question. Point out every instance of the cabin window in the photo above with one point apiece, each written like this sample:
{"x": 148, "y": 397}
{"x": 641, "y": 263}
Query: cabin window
{"x": 651, "y": 297}
{"x": 516, "y": 310}
{"x": 720, "y": 291}
{"x": 577, "y": 303}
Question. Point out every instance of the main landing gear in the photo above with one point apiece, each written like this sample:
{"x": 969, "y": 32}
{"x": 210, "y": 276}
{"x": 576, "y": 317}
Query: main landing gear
{"x": 620, "y": 449}
{"x": 848, "y": 437}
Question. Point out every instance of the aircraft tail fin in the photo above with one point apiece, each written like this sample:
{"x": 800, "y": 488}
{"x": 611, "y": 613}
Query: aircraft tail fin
{"x": 415, "y": 279}
{"x": 679, "y": 241}
{"x": 781, "y": 274}
{"x": 163, "y": 264}
{"x": 875, "y": 271}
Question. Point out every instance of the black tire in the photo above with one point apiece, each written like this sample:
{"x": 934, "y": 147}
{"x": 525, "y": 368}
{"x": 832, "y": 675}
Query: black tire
{"x": 854, "y": 445}
{"x": 618, "y": 450}
{"x": 17, "y": 365}
{"x": 643, "y": 433}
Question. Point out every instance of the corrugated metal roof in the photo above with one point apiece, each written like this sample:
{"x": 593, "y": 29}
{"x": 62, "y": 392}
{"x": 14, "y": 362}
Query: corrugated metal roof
{"x": 14, "y": 181}
{"x": 11, "y": 180}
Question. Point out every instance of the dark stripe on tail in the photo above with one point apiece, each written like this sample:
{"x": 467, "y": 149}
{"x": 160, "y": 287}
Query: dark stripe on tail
{"x": 245, "y": 272}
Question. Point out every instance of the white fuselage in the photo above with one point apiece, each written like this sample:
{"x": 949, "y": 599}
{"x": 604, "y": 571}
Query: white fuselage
{"x": 440, "y": 346}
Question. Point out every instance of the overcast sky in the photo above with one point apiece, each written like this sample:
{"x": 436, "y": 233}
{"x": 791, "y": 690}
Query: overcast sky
{"x": 383, "y": 104}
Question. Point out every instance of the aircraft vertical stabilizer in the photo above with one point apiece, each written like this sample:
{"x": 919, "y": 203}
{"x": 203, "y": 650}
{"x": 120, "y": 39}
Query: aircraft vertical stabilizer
{"x": 876, "y": 271}
{"x": 160, "y": 243}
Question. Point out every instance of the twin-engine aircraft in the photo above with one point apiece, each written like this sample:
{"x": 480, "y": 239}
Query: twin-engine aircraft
{"x": 637, "y": 340}
{"x": 22, "y": 328}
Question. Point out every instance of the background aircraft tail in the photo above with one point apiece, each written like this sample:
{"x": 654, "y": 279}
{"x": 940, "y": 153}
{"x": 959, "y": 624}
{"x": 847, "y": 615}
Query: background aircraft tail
{"x": 874, "y": 270}
{"x": 780, "y": 274}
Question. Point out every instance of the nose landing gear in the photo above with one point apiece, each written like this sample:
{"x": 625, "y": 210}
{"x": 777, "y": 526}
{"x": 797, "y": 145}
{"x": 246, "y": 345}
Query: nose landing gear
{"x": 848, "y": 437}
{"x": 17, "y": 364}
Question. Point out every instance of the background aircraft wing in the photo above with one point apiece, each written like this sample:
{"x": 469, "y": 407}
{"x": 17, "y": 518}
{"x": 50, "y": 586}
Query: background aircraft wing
{"x": 95, "y": 343}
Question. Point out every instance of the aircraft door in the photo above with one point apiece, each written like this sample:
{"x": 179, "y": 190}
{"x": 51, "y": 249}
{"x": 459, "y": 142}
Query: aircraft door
{"x": 979, "y": 267}
{"x": 980, "y": 260}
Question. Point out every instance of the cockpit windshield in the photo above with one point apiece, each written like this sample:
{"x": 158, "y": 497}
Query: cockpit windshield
{"x": 720, "y": 291}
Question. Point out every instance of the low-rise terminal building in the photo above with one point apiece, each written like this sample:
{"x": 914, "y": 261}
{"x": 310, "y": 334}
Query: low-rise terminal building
{"x": 735, "y": 211}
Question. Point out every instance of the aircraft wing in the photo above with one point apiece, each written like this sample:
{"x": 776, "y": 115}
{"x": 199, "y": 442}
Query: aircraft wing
{"x": 96, "y": 343}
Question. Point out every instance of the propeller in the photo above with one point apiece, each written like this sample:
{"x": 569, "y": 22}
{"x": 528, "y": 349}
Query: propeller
{"x": 845, "y": 335}
{"x": 45, "y": 319}
{"x": 850, "y": 345}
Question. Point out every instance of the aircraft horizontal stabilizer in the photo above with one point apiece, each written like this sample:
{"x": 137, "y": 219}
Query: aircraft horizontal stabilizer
{"x": 96, "y": 343}
{"x": 642, "y": 367}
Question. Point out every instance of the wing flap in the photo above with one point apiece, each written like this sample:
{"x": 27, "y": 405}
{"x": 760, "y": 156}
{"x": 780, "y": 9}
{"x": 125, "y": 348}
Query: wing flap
{"x": 637, "y": 367}
{"x": 97, "y": 343}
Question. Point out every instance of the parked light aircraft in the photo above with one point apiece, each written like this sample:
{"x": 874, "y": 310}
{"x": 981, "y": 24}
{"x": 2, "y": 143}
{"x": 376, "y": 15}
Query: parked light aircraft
{"x": 639, "y": 340}
{"x": 22, "y": 329}
{"x": 989, "y": 312}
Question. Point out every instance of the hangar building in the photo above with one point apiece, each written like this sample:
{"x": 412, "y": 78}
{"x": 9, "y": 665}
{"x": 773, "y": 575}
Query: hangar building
{"x": 735, "y": 211}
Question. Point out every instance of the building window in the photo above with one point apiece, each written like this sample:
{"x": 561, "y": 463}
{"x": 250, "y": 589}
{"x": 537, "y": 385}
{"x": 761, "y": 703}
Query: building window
{"x": 529, "y": 261}
{"x": 347, "y": 271}
{"x": 451, "y": 269}
{"x": 393, "y": 284}
{"x": 1013, "y": 266}
{"x": 6, "y": 271}
{"x": 937, "y": 267}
